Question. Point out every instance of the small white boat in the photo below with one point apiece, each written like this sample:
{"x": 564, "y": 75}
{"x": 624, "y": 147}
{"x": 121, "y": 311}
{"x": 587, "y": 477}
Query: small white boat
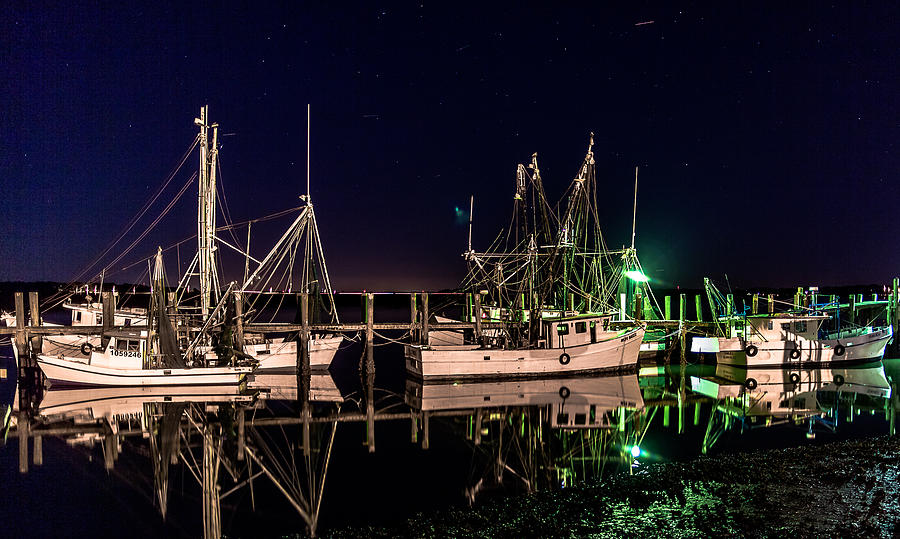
{"x": 276, "y": 354}
{"x": 570, "y": 346}
{"x": 123, "y": 362}
{"x": 771, "y": 340}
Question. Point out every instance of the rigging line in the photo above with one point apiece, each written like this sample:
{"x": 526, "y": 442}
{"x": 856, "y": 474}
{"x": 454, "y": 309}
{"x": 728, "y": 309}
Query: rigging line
{"x": 220, "y": 194}
{"x": 154, "y": 223}
{"x": 143, "y": 210}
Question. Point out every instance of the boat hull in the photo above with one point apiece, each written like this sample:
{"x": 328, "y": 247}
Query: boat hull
{"x": 61, "y": 371}
{"x": 436, "y": 363}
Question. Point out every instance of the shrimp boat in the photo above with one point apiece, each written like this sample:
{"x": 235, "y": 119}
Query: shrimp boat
{"x": 202, "y": 334}
{"x": 146, "y": 357}
{"x": 545, "y": 300}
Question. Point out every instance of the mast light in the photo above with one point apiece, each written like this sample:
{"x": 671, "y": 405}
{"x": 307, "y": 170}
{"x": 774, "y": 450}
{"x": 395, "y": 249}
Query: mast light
{"x": 637, "y": 276}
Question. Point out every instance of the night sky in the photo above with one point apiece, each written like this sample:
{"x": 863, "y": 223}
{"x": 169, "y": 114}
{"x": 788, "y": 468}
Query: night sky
{"x": 766, "y": 136}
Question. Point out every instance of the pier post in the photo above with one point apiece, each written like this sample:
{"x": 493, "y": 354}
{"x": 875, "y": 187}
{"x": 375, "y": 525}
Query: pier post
{"x": 425, "y": 316}
{"x": 370, "y": 330}
{"x": 478, "y": 426}
{"x": 895, "y": 313}
{"x": 413, "y": 319}
{"x": 729, "y": 309}
{"x": 22, "y": 429}
{"x": 771, "y": 302}
{"x": 21, "y": 343}
{"x": 755, "y": 307}
{"x": 36, "y": 340}
{"x": 425, "y": 430}
{"x": 38, "y": 454}
{"x": 303, "y": 366}
{"x": 241, "y": 433}
{"x": 239, "y": 326}
{"x": 852, "y": 308}
{"x": 668, "y": 308}
{"x": 109, "y": 316}
{"x": 698, "y": 308}
{"x": 638, "y": 307}
{"x": 478, "y": 318}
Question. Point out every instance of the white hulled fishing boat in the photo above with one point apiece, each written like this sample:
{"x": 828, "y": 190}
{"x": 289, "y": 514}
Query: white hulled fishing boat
{"x": 547, "y": 297}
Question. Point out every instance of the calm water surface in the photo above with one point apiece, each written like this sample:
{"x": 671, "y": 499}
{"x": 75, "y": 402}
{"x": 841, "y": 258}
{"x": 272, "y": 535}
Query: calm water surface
{"x": 377, "y": 449}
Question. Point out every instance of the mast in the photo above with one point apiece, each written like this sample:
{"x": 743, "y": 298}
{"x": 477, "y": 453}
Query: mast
{"x": 206, "y": 209}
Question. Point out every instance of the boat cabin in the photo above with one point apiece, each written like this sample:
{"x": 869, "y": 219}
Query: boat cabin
{"x": 123, "y": 351}
{"x": 88, "y": 315}
{"x": 575, "y": 331}
{"x": 781, "y": 327}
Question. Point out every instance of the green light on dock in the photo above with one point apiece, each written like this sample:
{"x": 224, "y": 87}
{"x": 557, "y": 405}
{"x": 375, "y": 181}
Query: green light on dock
{"x": 635, "y": 451}
{"x": 637, "y": 276}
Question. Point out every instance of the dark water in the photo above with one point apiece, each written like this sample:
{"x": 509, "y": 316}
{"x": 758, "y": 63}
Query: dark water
{"x": 666, "y": 451}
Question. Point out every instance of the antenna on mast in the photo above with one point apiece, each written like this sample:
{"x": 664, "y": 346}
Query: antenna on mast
{"x": 634, "y": 214}
{"x": 308, "y": 114}
{"x": 471, "y": 208}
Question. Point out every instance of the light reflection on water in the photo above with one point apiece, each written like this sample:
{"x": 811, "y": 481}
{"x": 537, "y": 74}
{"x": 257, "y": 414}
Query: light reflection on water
{"x": 243, "y": 460}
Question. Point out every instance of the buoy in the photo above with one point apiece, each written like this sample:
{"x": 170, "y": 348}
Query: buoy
{"x": 795, "y": 378}
{"x": 839, "y": 350}
{"x": 795, "y": 353}
{"x": 564, "y": 392}
{"x": 750, "y": 383}
{"x": 86, "y": 348}
{"x": 751, "y": 350}
{"x": 564, "y": 358}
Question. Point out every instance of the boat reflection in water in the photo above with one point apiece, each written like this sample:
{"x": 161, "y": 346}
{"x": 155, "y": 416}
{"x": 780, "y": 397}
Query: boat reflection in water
{"x": 539, "y": 433}
{"x": 224, "y": 439}
{"x": 257, "y": 456}
{"x": 745, "y": 399}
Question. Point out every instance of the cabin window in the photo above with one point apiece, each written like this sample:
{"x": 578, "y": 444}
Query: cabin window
{"x": 786, "y": 327}
{"x": 562, "y": 329}
{"x": 128, "y": 321}
{"x": 593, "y": 414}
{"x": 99, "y": 319}
{"x": 128, "y": 345}
{"x": 562, "y": 419}
{"x": 78, "y": 316}
{"x": 580, "y": 419}
{"x": 580, "y": 327}
{"x": 771, "y": 325}
{"x": 800, "y": 327}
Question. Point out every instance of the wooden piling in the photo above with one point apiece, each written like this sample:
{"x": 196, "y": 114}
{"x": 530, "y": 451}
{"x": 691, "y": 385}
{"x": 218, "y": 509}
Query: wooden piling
{"x": 109, "y": 316}
{"x": 303, "y": 366}
{"x": 478, "y": 333}
{"x": 895, "y": 319}
{"x": 239, "y": 329}
{"x": 425, "y": 430}
{"x": 771, "y": 301}
{"x": 38, "y": 451}
{"x": 852, "y": 308}
{"x": 425, "y": 316}
{"x": 241, "y": 433}
{"x": 638, "y": 307}
{"x": 22, "y": 429}
{"x": 755, "y": 307}
{"x": 21, "y": 344}
{"x": 370, "y": 330}
{"x": 413, "y": 319}
{"x": 668, "y": 308}
{"x": 698, "y": 308}
{"x": 34, "y": 305}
